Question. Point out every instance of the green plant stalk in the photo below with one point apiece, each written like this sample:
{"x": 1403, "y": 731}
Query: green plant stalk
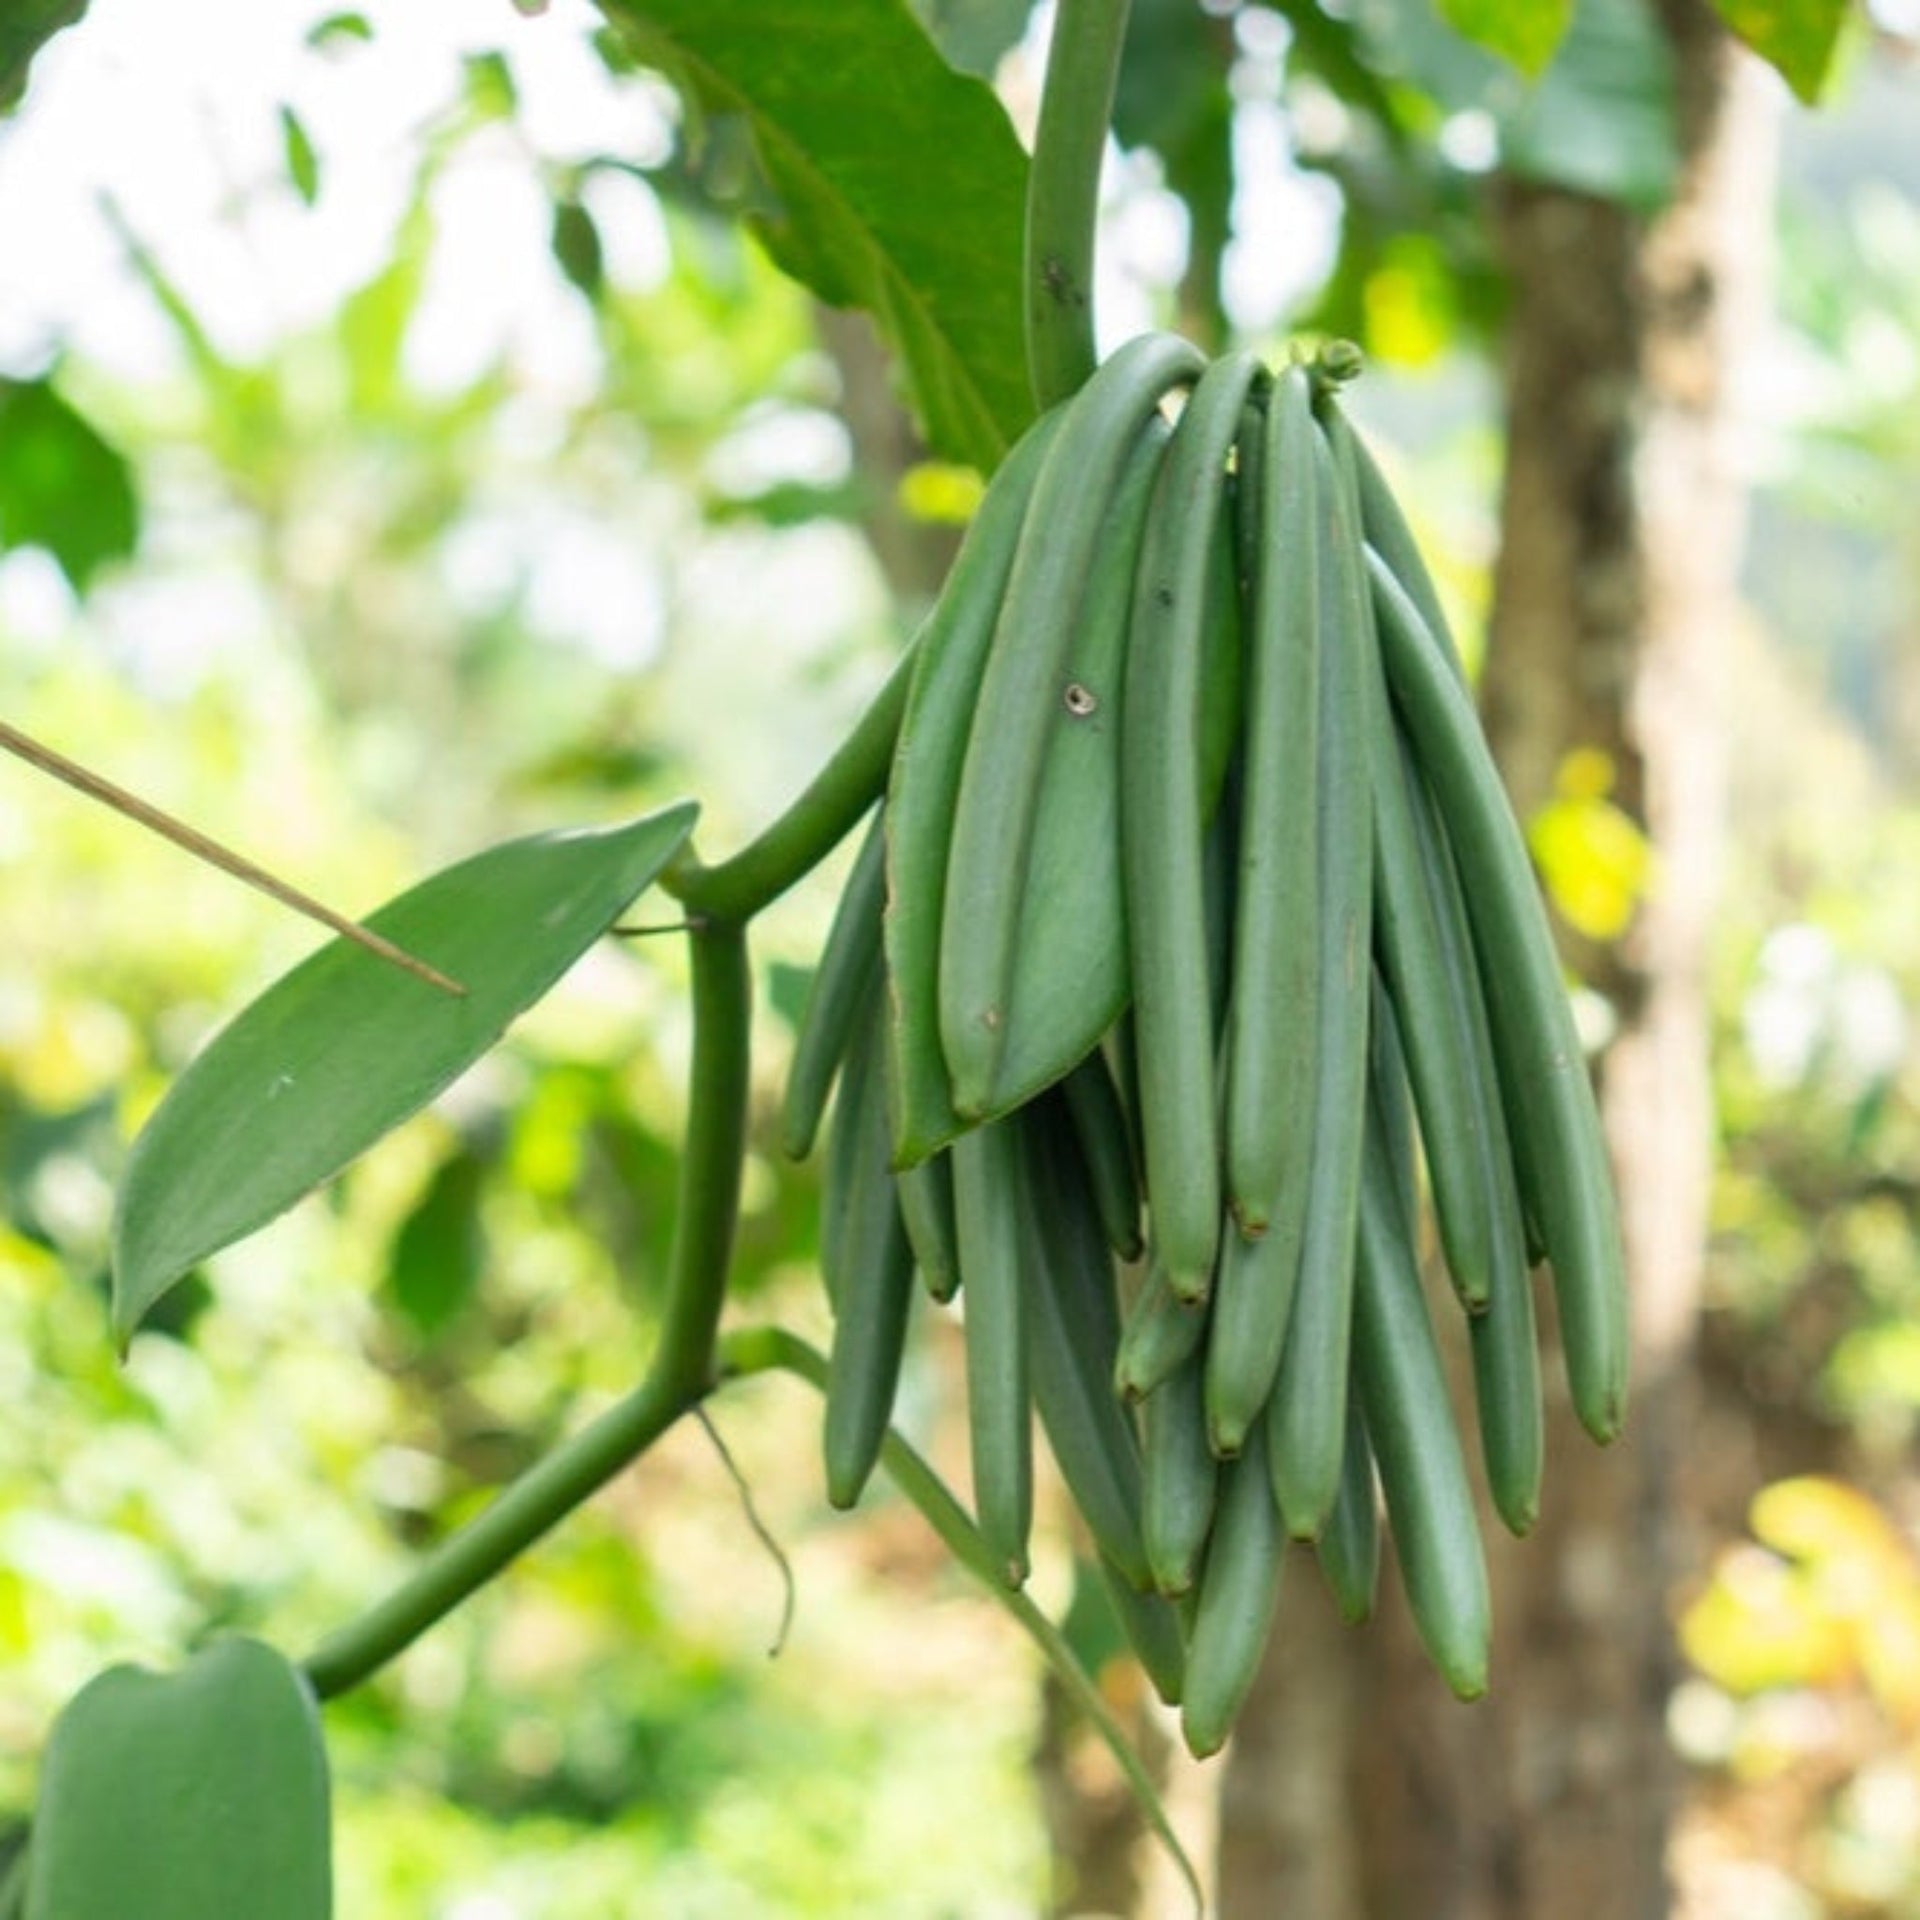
{"x": 682, "y": 1372}
{"x": 13, "y": 1888}
{"x": 774, "y": 1350}
{"x": 823, "y": 815}
{"x": 1063, "y": 194}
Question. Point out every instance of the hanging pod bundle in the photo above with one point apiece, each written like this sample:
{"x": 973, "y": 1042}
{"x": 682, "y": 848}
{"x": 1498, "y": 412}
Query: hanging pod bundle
{"x": 1193, "y": 944}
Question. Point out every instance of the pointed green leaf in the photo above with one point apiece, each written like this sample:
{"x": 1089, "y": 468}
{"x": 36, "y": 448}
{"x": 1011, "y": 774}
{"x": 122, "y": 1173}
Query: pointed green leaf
{"x": 198, "y": 1795}
{"x": 303, "y": 164}
{"x": 1796, "y": 36}
{"x": 1523, "y": 32}
{"x": 896, "y": 185}
{"x": 347, "y": 1046}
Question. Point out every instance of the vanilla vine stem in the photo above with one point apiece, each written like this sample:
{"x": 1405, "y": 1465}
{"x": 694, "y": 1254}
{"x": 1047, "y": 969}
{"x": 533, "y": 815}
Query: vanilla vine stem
{"x": 1063, "y": 194}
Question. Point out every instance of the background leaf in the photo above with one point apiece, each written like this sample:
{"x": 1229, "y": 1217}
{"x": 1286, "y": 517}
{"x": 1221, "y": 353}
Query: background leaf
{"x": 576, "y": 247}
{"x": 1524, "y": 32}
{"x": 974, "y": 35}
{"x": 303, "y": 163}
{"x": 894, "y": 184}
{"x": 200, "y": 1795}
{"x": 339, "y": 29}
{"x": 433, "y": 1267}
{"x": 25, "y": 26}
{"x": 1599, "y": 120}
{"x": 347, "y": 1046}
{"x": 1796, "y": 36}
{"x": 62, "y": 486}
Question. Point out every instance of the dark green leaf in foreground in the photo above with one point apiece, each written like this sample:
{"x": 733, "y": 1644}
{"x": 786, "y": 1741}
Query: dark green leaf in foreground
{"x": 896, "y": 184}
{"x": 346, "y": 1046}
{"x": 198, "y": 1795}
{"x": 1796, "y": 36}
{"x": 62, "y": 486}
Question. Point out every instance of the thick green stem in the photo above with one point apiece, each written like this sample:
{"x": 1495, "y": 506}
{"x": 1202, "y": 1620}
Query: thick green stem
{"x": 467, "y": 1560}
{"x": 682, "y": 1372}
{"x": 1063, "y": 194}
{"x": 710, "y": 1165}
{"x": 812, "y": 826}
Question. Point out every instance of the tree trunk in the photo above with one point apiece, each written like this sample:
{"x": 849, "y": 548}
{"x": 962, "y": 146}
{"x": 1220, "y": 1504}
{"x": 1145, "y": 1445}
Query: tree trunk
{"x": 1621, "y": 522}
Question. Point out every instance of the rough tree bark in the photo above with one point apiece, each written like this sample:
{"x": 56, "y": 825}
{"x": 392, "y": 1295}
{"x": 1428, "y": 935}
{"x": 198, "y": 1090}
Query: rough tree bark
{"x": 1621, "y": 522}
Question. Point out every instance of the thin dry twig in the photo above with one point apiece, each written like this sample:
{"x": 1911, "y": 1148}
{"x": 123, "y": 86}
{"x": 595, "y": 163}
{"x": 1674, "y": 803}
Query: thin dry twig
{"x": 83, "y": 780}
{"x": 760, "y": 1529}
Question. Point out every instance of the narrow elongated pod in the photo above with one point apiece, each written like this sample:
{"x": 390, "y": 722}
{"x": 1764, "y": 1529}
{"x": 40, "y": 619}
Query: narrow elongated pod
{"x": 950, "y": 657}
{"x": 1307, "y": 1430}
{"x": 926, "y": 1208}
{"x": 1271, "y": 1030}
{"x": 1506, "y": 1355}
{"x": 1384, "y": 528}
{"x": 1403, "y": 1396}
{"x": 1106, "y": 1150}
{"x": 1161, "y": 1330}
{"x": 1181, "y": 1474}
{"x": 1069, "y": 976}
{"x": 844, "y": 987}
{"x": 989, "y": 1210}
{"x": 1020, "y": 697}
{"x": 1387, "y": 1080}
{"x": 1349, "y": 1544}
{"x": 1153, "y": 1631}
{"x": 1239, "y": 1589}
{"x": 872, "y": 1286}
{"x": 1073, "y": 1335}
{"x": 1162, "y": 824}
{"x": 1272, "y": 1040}
{"x": 1434, "y": 1039}
{"x": 1545, "y": 1091}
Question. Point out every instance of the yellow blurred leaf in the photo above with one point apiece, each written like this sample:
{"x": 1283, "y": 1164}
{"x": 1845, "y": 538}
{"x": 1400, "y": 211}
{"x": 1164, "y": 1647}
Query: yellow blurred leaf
{"x": 1409, "y": 306}
{"x": 1813, "y": 1517}
{"x": 1759, "y": 1626}
{"x": 940, "y": 493}
{"x": 1596, "y": 862}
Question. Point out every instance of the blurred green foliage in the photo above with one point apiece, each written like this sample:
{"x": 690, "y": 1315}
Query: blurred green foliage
{"x": 361, "y": 617}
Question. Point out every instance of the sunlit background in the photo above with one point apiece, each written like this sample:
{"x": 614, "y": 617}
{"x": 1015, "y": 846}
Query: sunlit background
{"x": 429, "y": 461}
